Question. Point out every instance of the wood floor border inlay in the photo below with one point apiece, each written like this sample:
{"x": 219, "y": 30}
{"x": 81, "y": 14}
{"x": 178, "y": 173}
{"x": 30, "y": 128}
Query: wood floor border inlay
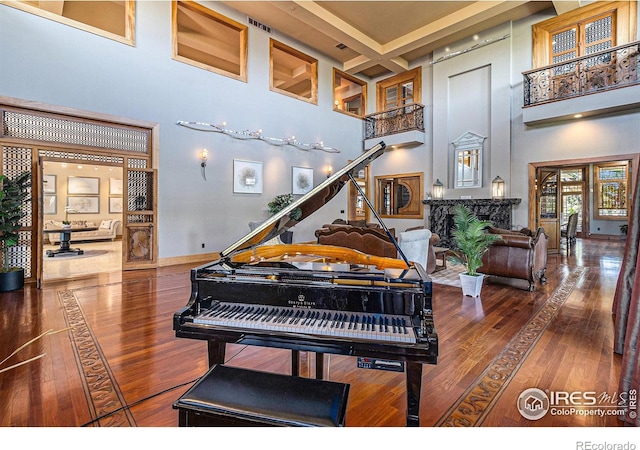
{"x": 477, "y": 401}
{"x": 101, "y": 389}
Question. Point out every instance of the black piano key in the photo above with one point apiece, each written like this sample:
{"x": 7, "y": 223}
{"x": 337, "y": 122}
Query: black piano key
{"x": 351, "y": 319}
{"x": 295, "y": 317}
{"x": 404, "y": 326}
{"x": 269, "y": 315}
{"x": 386, "y": 324}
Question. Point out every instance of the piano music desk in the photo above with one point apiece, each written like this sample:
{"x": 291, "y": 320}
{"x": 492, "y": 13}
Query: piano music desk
{"x": 229, "y": 396}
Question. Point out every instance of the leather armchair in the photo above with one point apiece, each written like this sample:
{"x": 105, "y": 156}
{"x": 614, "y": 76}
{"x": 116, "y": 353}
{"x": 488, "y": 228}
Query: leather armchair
{"x": 518, "y": 255}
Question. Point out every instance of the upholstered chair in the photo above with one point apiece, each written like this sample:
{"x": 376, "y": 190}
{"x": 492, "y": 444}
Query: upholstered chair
{"x": 415, "y": 244}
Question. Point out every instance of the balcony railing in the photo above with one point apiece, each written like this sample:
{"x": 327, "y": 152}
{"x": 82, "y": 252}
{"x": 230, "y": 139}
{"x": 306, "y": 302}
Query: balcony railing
{"x": 608, "y": 69}
{"x": 398, "y": 120}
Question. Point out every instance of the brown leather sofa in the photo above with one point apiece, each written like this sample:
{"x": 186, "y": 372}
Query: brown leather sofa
{"x": 372, "y": 241}
{"x": 518, "y": 255}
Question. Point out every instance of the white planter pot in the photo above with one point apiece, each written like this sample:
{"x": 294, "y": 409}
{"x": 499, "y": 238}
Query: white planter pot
{"x": 471, "y": 285}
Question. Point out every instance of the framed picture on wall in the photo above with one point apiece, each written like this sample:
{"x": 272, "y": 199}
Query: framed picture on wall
{"x": 50, "y": 204}
{"x": 247, "y": 177}
{"x": 301, "y": 180}
{"x": 49, "y": 184}
{"x": 83, "y": 205}
{"x": 83, "y": 186}
{"x": 115, "y": 186}
{"x": 115, "y": 205}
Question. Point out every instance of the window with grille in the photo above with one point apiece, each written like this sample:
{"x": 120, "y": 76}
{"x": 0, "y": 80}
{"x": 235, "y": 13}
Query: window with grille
{"x": 611, "y": 189}
{"x": 208, "y": 40}
{"x": 584, "y": 38}
{"x": 583, "y": 31}
{"x": 399, "y": 90}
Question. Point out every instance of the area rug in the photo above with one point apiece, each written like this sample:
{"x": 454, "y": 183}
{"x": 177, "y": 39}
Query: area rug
{"x": 448, "y": 276}
{"x": 476, "y": 402}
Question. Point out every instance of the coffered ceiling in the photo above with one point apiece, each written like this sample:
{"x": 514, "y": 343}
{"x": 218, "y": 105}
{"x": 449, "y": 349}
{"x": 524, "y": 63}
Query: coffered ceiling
{"x": 373, "y": 38}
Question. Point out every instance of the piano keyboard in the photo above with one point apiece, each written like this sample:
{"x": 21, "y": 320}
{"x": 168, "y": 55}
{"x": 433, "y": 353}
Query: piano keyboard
{"x": 353, "y": 325}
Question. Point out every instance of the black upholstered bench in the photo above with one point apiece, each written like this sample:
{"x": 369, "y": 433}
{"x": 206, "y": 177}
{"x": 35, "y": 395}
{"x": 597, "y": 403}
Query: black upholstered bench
{"x": 229, "y": 396}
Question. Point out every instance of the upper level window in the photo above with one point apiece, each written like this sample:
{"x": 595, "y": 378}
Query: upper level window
{"x": 112, "y": 19}
{"x": 611, "y": 189}
{"x": 399, "y": 90}
{"x": 584, "y": 31}
{"x": 349, "y": 94}
{"x": 211, "y": 41}
{"x": 293, "y": 73}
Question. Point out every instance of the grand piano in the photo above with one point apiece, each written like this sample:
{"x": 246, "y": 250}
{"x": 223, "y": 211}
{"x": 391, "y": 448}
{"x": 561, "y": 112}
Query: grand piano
{"x": 315, "y": 298}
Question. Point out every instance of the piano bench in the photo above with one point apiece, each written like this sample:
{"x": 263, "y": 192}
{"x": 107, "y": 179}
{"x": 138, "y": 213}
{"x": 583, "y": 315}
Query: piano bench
{"x": 229, "y": 396}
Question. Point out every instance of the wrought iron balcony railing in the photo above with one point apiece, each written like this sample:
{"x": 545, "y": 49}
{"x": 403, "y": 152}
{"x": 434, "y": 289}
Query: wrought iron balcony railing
{"x": 608, "y": 69}
{"x": 398, "y": 120}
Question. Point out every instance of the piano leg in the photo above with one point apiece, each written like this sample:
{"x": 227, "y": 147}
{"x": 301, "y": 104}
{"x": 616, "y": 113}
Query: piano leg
{"x": 216, "y": 351}
{"x": 414, "y": 385}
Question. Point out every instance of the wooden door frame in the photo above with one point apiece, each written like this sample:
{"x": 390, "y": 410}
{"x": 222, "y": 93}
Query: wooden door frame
{"x": 533, "y": 167}
{"x": 41, "y": 146}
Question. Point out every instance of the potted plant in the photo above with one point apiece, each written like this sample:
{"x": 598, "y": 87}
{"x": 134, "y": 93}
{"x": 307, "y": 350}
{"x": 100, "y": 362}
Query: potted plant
{"x": 472, "y": 241}
{"x": 66, "y": 223}
{"x": 14, "y": 192}
{"x": 278, "y": 204}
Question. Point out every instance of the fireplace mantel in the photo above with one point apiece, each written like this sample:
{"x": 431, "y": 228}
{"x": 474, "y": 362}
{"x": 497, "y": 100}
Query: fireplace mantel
{"x": 497, "y": 211}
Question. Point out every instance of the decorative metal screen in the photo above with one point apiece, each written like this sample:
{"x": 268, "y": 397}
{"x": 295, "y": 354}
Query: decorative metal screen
{"x": 43, "y": 128}
{"x": 140, "y": 198}
{"x": 16, "y": 160}
{"x": 135, "y": 163}
{"x": 81, "y": 156}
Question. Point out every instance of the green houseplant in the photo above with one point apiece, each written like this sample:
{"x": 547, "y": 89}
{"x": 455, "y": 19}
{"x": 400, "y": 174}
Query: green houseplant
{"x": 14, "y": 192}
{"x": 472, "y": 241}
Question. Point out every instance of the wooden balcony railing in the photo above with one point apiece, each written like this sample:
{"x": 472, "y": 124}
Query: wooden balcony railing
{"x": 608, "y": 69}
{"x": 398, "y": 120}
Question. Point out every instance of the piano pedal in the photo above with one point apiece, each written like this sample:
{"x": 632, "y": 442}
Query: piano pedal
{"x": 380, "y": 364}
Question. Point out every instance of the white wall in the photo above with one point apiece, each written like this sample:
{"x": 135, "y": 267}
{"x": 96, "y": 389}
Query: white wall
{"x": 44, "y": 61}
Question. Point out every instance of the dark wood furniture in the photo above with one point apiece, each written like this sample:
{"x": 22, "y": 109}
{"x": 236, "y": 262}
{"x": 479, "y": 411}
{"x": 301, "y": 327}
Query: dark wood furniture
{"x": 520, "y": 255}
{"x": 229, "y": 396}
{"x": 65, "y": 241}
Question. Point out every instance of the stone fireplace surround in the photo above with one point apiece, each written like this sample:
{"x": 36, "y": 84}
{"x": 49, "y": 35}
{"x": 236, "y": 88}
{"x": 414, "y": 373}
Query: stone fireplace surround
{"x": 441, "y": 214}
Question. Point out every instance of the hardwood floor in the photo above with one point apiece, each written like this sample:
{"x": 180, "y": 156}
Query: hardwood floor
{"x": 117, "y": 348}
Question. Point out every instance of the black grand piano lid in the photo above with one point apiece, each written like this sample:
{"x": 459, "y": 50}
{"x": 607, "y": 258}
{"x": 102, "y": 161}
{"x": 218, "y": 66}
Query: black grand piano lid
{"x": 305, "y": 205}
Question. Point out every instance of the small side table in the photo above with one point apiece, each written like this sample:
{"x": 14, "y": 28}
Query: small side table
{"x": 441, "y": 252}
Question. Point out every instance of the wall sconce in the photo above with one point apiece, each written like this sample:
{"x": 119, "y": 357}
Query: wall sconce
{"x": 438, "y": 189}
{"x": 497, "y": 188}
{"x": 204, "y": 155}
{"x": 329, "y": 171}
